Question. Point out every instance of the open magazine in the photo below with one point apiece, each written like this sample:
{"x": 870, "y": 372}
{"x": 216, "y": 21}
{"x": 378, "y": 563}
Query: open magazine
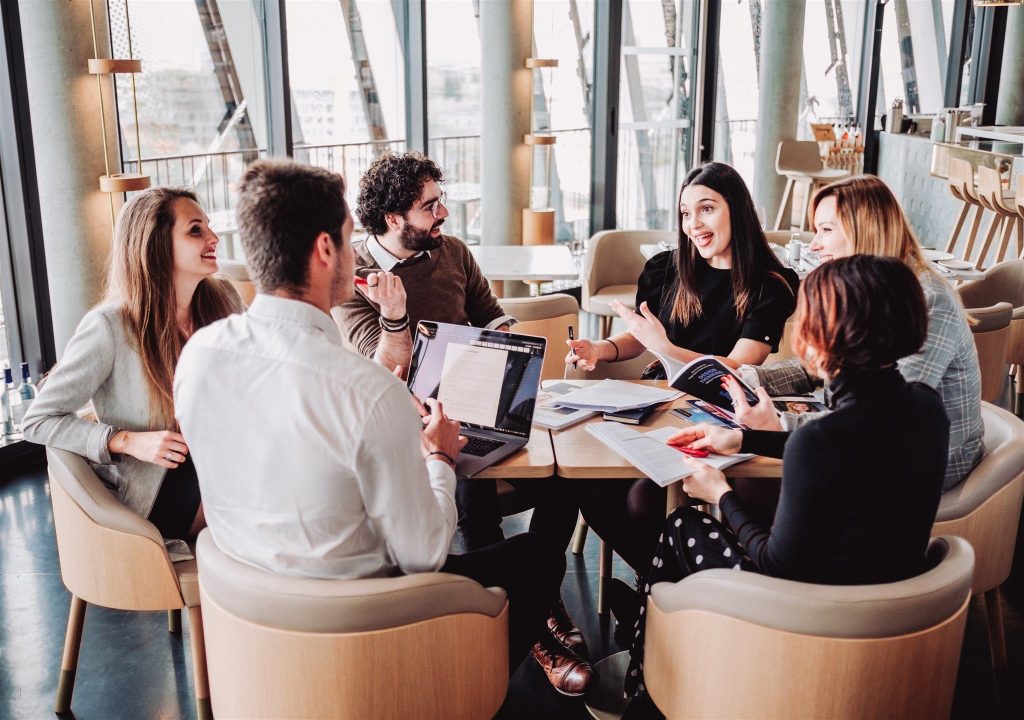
{"x": 650, "y": 453}
{"x": 702, "y": 378}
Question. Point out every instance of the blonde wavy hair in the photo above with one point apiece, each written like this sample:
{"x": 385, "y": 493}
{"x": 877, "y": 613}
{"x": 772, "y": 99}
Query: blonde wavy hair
{"x": 873, "y": 219}
{"x": 141, "y": 280}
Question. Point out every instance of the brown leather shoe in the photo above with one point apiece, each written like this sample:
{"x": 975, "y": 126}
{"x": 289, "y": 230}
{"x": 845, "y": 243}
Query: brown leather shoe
{"x": 567, "y": 672}
{"x": 564, "y": 630}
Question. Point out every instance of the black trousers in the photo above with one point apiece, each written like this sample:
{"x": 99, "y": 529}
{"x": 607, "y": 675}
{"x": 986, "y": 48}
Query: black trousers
{"x": 555, "y": 502}
{"x": 690, "y": 541}
{"x": 530, "y": 570}
{"x": 177, "y": 501}
{"x": 627, "y": 515}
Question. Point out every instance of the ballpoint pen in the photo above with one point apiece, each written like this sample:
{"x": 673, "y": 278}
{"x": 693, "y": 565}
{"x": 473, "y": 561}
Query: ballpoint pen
{"x": 572, "y": 337}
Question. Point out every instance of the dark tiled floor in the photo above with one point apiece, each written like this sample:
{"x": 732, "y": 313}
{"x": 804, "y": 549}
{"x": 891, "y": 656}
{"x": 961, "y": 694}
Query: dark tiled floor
{"x": 131, "y": 667}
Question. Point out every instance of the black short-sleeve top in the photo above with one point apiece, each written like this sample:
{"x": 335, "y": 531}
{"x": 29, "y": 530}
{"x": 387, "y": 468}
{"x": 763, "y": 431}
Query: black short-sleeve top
{"x": 717, "y": 329}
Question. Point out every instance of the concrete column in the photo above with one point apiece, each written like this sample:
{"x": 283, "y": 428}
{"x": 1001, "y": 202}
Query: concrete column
{"x": 1010, "y": 106}
{"x": 506, "y": 39}
{"x": 68, "y": 146}
{"x": 778, "y": 98}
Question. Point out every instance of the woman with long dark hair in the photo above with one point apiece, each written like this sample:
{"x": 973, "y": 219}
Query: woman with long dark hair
{"x": 161, "y": 289}
{"x": 721, "y": 292}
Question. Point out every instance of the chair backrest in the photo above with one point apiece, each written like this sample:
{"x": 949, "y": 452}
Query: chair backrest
{"x": 614, "y": 258}
{"x": 1002, "y": 283}
{"x": 797, "y": 156}
{"x": 992, "y": 339}
{"x": 985, "y": 508}
{"x": 803, "y": 650}
{"x": 961, "y": 179}
{"x": 239, "y": 275}
{"x": 424, "y": 645}
{"x": 109, "y": 555}
{"x": 990, "y": 190}
{"x": 550, "y": 317}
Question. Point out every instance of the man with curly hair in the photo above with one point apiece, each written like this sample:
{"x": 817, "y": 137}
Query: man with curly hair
{"x": 415, "y": 272}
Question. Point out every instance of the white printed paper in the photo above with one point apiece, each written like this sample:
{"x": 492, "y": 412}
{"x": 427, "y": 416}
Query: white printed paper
{"x": 471, "y": 381}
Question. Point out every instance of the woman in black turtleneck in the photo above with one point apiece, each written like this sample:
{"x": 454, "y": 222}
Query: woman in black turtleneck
{"x": 861, "y": 485}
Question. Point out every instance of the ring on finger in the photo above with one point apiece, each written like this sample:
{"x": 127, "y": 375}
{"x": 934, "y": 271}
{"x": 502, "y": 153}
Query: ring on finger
{"x": 169, "y": 457}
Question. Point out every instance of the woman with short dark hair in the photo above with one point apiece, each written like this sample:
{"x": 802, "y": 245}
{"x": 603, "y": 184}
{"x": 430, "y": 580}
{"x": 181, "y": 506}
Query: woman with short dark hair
{"x": 886, "y": 441}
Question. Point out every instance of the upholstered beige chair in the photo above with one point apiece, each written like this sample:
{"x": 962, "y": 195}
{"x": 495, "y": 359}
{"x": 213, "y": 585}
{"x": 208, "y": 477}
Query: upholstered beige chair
{"x": 985, "y": 510}
{"x": 430, "y": 645}
{"x": 732, "y": 644}
{"x": 1004, "y": 283}
{"x": 115, "y": 558}
{"x": 992, "y": 339}
{"x": 611, "y": 268}
{"x": 550, "y": 317}
{"x": 239, "y": 275}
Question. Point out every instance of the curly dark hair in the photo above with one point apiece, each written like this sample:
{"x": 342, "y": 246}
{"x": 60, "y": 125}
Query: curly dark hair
{"x": 391, "y": 185}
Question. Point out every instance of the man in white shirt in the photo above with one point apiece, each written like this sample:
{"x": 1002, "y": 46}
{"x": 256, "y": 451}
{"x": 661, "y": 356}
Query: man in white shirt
{"x": 311, "y": 458}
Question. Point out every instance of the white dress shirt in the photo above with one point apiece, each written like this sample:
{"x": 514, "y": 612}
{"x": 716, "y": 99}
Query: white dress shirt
{"x": 308, "y": 454}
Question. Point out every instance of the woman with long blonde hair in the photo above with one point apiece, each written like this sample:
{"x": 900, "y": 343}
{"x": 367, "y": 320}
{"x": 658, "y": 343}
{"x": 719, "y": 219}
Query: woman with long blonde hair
{"x": 161, "y": 288}
{"x": 860, "y": 215}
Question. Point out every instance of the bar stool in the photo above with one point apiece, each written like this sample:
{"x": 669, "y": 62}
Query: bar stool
{"x": 800, "y": 161}
{"x": 1005, "y": 216}
{"x": 961, "y": 186}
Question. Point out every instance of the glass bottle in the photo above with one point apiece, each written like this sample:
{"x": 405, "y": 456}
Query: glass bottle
{"x": 27, "y": 389}
{"x": 11, "y": 405}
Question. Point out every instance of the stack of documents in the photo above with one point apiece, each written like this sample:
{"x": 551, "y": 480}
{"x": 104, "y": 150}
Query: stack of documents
{"x": 609, "y": 396}
{"x": 650, "y": 453}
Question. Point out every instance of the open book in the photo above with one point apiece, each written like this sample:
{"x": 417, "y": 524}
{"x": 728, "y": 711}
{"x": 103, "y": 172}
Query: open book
{"x": 702, "y": 378}
{"x": 650, "y": 453}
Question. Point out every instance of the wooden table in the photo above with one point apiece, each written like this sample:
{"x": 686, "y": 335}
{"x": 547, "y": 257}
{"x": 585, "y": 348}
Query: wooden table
{"x": 536, "y": 460}
{"x": 529, "y": 263}
{"x": 578, "y": 454}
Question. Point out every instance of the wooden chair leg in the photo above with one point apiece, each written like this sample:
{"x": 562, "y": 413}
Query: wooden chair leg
{"x": 785, "y": 201}
{"x": 996, "y": 634}
{"x": 1004, "y": 242}
{"x": 579, "y": 538}
{"x": 604, "y": 576}
{"x": 973, "y": 236}
{"x": 955, "y": 235}
{"x": 69, "y": 662}
{"x": 202, "y": 681}
{"x": 993, "y": 230}
{"x": 174, "y": 621}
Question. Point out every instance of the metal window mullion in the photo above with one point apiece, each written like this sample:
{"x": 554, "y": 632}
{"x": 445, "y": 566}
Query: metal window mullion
{"x": 411, "y": 21}
{"x": 867, "y": 82}
{"x": 958, "y": 44}
{"x": 25, "y": 288}
{"x": 604, "y": 157}
{"x": 707, "y": 94}
{"x": 279, "y": 104}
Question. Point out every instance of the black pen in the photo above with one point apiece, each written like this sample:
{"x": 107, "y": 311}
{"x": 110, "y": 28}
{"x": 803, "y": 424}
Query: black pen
{"x": 571, "y": 338}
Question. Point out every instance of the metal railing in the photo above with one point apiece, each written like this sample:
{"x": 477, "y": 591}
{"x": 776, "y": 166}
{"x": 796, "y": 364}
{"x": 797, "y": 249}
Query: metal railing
{"x": 211, "y": 175}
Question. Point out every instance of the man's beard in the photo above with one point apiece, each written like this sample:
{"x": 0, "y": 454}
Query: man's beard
{"x": 417, "y": 240}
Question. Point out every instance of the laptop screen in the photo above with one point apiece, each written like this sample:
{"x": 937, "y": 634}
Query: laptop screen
{"x": 483, "y": 378}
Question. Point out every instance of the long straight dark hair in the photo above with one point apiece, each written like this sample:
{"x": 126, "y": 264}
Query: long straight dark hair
{"x": 753, "y": 261}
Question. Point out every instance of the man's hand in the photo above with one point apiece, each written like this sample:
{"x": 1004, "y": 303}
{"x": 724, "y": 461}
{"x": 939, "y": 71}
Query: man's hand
{"x": 705, "y": 483}
{"x": 645, "y": 327}
{"x": 756, "y": 417}
{"x": 386, "y": 290}
{"x": 716, "y": 439}
{"x": 441, "y": 434}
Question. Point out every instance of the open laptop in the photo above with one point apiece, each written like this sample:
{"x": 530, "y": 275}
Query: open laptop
{"x": 487, "y": 380}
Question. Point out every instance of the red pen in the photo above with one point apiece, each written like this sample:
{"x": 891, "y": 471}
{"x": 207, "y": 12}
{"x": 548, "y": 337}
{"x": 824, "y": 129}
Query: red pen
{"x": 360, "y": 281}
{"x": 692, "y": 452}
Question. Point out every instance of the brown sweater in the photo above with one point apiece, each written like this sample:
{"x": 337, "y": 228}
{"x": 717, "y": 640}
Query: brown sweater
{"x": 445, "y": 287}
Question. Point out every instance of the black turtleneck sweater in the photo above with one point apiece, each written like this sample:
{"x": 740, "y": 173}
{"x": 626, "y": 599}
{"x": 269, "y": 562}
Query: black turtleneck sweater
{"x": 860, "y": 486}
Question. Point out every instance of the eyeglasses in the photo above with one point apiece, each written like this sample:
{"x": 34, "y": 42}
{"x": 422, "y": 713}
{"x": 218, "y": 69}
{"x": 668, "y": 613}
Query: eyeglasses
{"x": 435, "y": 206}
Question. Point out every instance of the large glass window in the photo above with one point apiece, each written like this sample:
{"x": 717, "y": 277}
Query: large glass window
{"x": 561, "y": 102}
{"x": 200, "y": 99}
{"x": 656, "y": 109}
{"x": 832, "y": 39}
{"x": 914, "y": 53}
{"x": 346, "y": 72}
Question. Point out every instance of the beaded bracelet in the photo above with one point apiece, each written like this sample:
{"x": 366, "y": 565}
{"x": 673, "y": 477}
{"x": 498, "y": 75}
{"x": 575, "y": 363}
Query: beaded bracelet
{"x": 445, "y": 455}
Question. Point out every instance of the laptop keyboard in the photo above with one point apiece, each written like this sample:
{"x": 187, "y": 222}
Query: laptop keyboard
{"x": 479, "y": 446}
